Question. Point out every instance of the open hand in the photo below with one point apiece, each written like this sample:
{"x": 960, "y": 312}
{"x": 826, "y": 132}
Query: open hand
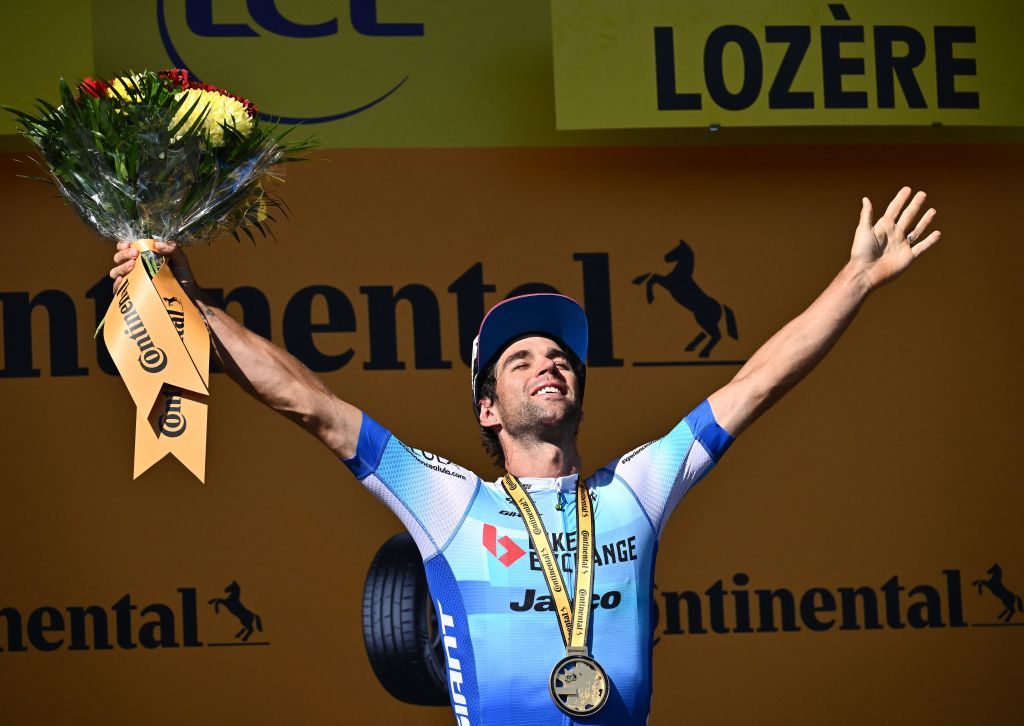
{"x": 884, "y": 249}
{"x": 127, "y": 257}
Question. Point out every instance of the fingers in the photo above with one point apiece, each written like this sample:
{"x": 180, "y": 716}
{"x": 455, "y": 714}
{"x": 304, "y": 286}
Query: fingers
{"x": 897, "y": 203}
{"x": 124, "y": 260}
{"x": 922, "y": 225}
{"x": 907, "y": 218}
{"x": 127, "y": 256}
{"x": 865, "y": 212}
{"x": 921, "y": 247}
{"x": 122, "y": 269}
{"x": 124, "y": 255}
{"x": 166, "y": 248}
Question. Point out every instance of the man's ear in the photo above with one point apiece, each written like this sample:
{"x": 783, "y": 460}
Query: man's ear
{"x": 488, "y": 415}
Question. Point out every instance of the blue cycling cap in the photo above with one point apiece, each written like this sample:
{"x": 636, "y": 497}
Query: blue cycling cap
{"x": 553, "y": 316}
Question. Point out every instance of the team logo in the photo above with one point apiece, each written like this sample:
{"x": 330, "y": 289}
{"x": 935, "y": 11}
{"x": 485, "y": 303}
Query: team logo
{"x": 684, "y": 290}
{"x": 512, "y": 552}
{"x": 545, "y": 603}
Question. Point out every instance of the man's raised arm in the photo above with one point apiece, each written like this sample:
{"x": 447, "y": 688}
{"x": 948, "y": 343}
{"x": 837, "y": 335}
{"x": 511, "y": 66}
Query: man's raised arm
{"x": 269, "y": 373}
{"x": 881, "y": 251}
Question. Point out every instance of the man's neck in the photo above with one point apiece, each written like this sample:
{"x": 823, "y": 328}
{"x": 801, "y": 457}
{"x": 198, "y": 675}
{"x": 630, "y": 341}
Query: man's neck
{"x": 541, "y": 459}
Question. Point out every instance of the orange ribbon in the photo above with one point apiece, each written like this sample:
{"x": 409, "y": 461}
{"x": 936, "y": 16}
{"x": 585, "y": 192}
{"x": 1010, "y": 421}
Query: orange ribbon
{"x": 159, "y": 343}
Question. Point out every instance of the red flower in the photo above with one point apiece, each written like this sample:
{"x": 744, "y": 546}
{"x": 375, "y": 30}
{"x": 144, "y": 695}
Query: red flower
{"x": 250, "y": 107}
{"x": 93, "y": 87}
{"x": 179, "y": 78}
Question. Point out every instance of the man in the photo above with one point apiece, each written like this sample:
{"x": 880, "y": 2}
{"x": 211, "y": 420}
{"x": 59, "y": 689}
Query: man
{"x": 529, "y": 638}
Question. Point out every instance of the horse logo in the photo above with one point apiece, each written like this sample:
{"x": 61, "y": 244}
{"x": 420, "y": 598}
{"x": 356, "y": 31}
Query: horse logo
{"x": 1011, "y": 602}
{"x": 234, "y": 605}
{"x": 681, "y": 285}
{"x": 168, "y": 301}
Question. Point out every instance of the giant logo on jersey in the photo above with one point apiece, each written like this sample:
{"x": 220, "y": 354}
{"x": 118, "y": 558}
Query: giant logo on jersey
{"x": 460, "y": 704}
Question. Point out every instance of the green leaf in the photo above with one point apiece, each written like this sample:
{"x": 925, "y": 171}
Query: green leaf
{"x": 185, "y": 117}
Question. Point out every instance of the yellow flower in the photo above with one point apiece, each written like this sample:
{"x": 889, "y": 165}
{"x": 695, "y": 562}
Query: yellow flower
{"x": 223, "y": 111}
{"x": 124, "y": 89}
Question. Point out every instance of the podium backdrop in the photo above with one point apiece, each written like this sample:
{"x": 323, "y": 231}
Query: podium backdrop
{"x": 823, "y": 573}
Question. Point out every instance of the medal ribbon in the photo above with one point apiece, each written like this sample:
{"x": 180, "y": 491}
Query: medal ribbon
{"x": 573, "y": 616}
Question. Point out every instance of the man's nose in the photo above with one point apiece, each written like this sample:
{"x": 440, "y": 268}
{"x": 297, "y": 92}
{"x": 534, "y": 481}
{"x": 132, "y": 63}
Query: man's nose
{"x": 549, "y": 366}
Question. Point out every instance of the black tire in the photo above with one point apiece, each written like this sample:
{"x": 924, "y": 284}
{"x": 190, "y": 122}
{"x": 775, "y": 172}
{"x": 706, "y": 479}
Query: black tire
{"x": 400, "y": 628}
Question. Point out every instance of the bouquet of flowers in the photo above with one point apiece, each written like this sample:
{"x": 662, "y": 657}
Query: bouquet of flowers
{"x": 159, "y": 156}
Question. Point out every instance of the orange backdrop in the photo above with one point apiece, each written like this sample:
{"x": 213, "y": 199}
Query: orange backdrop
{"x": 895, "y": 458}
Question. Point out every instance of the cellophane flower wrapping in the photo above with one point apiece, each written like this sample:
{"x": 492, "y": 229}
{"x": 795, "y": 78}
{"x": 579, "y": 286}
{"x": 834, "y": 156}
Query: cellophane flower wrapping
{"x": 161, "y": 156}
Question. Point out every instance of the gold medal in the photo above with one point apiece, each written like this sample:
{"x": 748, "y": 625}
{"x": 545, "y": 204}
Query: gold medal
{"x": 579, "y": 685}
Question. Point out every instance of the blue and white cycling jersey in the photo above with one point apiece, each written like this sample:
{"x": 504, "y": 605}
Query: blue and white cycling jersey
{"x": 501, "y": 634}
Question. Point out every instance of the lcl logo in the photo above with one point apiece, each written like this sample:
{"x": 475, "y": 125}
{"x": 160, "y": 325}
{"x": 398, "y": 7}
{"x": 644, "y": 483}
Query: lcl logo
{"x": 363, "y": 17}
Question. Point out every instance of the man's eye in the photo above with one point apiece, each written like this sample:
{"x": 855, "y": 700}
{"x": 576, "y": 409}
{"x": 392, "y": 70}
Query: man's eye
{"x": 519, "y": 366}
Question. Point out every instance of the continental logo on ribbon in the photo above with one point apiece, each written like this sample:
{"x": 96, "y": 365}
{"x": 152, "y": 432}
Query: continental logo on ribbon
{"x": 658, "y": 63}
{"x": 159, "y": 343}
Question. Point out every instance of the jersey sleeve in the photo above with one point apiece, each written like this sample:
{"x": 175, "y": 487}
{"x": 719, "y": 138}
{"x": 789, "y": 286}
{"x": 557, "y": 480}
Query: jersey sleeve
{"x": 429, "y": 494}
{"x": 660, "y": 472}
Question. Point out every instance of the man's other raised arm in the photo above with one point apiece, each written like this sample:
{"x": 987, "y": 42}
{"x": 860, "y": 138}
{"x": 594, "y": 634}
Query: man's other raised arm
{"x": 881, "y": 251}
{"x": 269, "y": 373}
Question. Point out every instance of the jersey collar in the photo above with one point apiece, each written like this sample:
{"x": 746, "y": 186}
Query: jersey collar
{"x": 548, "y": 483}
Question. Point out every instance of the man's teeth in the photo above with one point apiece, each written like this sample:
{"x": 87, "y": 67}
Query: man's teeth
{"x": 547, "y": 389}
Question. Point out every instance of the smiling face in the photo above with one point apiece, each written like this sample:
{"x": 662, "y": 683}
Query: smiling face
{"x": 537, "y": 392}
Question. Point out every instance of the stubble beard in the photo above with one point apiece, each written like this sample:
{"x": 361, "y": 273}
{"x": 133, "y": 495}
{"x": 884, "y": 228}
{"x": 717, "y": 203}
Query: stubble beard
{"x": 531, "y": 421}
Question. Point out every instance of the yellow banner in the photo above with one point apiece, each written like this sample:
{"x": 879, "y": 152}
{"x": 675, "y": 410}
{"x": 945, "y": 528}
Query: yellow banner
{"x": 362, "y": 73}
{"x": 452, "y": 73}
{"x": 664, "y": 63}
